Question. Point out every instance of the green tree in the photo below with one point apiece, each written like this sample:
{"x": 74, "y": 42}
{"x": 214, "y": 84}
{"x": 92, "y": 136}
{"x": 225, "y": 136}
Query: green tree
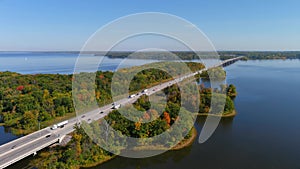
{"x": 231, "y": 91}
{"x": 29, "y": 120}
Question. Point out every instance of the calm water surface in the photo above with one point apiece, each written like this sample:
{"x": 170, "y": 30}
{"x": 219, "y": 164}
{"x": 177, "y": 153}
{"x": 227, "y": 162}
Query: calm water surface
{"x": 264, "y": 134}
{"x": 63, "y": 63}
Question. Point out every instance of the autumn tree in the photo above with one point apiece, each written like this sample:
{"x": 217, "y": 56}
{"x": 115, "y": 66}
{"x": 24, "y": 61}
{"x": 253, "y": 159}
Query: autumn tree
{"x": 167, "y": 118}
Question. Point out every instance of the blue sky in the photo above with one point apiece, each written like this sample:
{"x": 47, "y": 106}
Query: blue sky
{"x": 230, "y": 25}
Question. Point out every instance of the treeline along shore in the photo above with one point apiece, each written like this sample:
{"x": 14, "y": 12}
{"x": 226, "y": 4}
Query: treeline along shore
{"x": 189, "y": 55}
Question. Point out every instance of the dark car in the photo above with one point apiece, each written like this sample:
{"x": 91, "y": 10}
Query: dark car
{"x": 48, "y": 136}
{"x": 101, "y": 112}
{"x": 83, "y": 116}
{"x": 13, "y": 147}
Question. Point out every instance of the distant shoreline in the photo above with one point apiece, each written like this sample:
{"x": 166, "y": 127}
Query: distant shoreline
{"x": 184, "y": 55}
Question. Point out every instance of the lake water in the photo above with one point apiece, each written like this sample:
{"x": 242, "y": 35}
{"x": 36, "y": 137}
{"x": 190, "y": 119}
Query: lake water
{"x": 264, "y": 133}
{"x": 63, "y": 63}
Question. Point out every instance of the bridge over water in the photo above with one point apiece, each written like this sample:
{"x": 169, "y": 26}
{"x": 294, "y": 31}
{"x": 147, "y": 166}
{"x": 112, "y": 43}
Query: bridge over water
{"x": 25, "y": 146}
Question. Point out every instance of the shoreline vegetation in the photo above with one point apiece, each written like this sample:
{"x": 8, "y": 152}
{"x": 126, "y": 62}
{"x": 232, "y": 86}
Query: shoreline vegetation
{"x": 183, "y": 144}
{"x": 98, "y": 163}
{"x": 223, "y": 115}
{"x": 186, "y": 142}
{"x": 27, "y": 100}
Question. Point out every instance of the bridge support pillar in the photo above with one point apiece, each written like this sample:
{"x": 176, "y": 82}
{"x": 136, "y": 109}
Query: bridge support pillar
{"x": 61, "y": 139}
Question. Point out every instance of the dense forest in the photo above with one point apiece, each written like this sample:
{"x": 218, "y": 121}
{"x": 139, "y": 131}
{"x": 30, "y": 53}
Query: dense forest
{"x": 27, "y": 99}
{"x": 28, "y": 102}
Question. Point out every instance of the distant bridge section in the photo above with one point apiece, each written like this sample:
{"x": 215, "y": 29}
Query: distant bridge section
{"x": 230, "y": 61}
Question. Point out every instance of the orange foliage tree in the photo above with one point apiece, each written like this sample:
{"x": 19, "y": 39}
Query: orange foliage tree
{"x": 137, "y": 125}
{"x": 167, "y": 118}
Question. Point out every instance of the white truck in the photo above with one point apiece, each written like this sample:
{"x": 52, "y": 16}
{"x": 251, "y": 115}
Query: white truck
{"x": 116, "y": 106}
{"x": 132, "y": 96}
{"x": 59, "y": 125}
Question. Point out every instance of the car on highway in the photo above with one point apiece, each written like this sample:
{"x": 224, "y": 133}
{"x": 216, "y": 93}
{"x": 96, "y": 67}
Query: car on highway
{"x": 14, "y": 146}
{"x": 83, "y": 116}
{"x": 101, "y": 112}
{"x": 48, "y": 136}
